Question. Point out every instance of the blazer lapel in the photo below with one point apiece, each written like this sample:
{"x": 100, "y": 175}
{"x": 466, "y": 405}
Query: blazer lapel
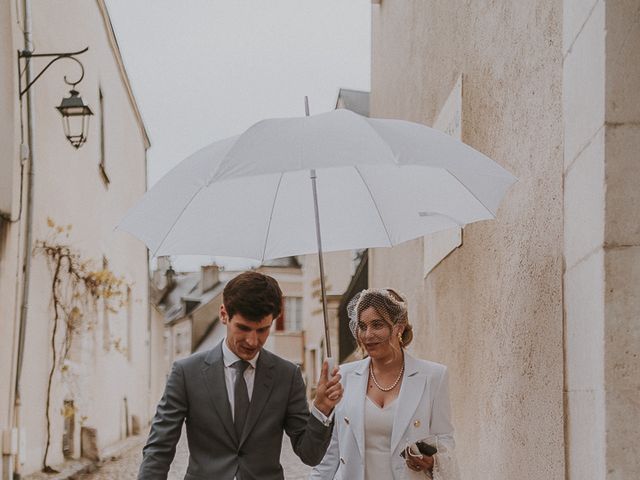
{"x": 214, "y": 379}
{"x": 411, "y": 391}
{"x": 262, "y": 385}
{"x": 355, "y": 402}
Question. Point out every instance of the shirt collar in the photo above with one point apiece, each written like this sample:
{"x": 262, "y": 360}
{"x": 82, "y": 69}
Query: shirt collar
{"x": 230, "y": 358}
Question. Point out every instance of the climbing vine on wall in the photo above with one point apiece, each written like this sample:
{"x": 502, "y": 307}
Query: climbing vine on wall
{"x": 77, "y": 287}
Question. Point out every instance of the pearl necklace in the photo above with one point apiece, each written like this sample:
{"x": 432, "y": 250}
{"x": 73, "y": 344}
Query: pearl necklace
{"x": 385, "y": 389}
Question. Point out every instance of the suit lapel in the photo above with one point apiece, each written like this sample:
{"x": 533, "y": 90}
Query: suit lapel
{"x": 214, "y": 379}
{"x": 355, "y": 402}
{"x": 411, "y": 391}
{"x": 262, "y": 385}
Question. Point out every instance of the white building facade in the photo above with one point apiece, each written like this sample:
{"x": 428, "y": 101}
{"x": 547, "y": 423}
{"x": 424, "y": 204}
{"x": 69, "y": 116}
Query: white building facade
{"x": 98, "y": 391}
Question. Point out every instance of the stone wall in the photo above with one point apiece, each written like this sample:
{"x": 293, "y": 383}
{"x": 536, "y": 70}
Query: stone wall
{"x": 601, "y": 100}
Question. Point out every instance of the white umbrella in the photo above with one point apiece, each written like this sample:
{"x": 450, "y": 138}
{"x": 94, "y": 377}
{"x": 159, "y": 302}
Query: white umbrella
{"x": 379, "y": 183}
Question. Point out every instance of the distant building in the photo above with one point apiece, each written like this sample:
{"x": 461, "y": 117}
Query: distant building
{"x": 189, "y": 306}
{"x": 287, "y": 337}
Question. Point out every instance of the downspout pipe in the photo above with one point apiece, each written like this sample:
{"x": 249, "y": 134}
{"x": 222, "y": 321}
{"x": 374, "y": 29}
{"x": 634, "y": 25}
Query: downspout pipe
{"x": 28, "y": 238}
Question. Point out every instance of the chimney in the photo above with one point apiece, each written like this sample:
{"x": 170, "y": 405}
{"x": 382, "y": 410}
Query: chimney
{"x": 170, "y": 275}
{"x": 164, "y": 274}
{"x": 209, "y": 277}
{"x": 164, "y": 263}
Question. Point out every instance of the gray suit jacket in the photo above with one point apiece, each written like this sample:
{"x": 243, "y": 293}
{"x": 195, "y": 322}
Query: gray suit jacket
{"x": 196, "y": 393}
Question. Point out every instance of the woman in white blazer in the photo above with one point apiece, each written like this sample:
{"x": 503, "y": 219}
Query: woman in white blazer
{"x": 391, "y": 400}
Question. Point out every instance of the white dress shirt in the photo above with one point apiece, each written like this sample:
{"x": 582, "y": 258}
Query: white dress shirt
{"x": 230, "y": 373}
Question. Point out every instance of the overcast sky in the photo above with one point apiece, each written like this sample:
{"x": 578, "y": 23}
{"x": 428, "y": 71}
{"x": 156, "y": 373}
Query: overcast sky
{"x": 203, "y": 70}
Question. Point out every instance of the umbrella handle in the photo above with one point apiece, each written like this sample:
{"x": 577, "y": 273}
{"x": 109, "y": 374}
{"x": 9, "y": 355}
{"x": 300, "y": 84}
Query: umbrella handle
{"x": 312, "y": 175}
{"x": 331, "y": 363}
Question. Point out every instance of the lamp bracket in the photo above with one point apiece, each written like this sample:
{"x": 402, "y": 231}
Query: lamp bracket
{"x": 26, "y": 56}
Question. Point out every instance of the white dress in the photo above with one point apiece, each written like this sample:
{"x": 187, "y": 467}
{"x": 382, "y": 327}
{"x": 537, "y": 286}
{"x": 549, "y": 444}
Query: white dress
{"x": 378, "y": 425}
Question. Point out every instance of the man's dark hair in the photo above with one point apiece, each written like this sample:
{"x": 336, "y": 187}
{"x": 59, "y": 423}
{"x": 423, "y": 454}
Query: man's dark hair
{"x": 253, "y": 295}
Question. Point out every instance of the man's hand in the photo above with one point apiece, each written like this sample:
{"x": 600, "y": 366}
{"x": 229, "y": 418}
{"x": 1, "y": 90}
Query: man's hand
{"x": 329, "y": 392}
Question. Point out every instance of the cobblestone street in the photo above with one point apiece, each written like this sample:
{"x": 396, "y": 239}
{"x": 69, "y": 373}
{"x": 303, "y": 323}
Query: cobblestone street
{"x": 126, "y": 466}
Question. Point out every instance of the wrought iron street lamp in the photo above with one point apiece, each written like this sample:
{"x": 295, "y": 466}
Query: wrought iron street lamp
{"x": 75, "y": 114}
{"x": 75, "y": 118}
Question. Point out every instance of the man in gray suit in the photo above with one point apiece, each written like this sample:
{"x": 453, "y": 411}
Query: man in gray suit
{"x": 237, "y": 399}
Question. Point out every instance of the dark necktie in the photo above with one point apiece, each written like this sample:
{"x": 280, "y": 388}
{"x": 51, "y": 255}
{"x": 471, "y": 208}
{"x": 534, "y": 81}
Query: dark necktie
{"x": 240, "y": 397}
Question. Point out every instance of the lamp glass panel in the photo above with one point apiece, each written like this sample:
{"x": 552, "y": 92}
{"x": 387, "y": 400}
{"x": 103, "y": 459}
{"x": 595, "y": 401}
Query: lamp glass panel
{"x": 74, "y": 111}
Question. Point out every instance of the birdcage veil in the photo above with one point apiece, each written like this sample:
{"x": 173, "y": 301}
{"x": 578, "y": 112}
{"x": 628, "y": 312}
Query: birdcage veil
{"x": 389, "y": 304}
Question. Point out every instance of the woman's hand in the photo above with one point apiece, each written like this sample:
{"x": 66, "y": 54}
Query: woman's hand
{"x": 420, "y": 463}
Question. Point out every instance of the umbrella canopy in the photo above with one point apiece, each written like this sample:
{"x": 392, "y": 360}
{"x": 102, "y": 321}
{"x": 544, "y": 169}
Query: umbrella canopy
{"x": 379, "y": 183}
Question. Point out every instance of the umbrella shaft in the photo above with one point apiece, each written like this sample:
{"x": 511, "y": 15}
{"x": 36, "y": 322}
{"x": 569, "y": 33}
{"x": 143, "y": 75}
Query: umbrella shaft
{"x": 327, "y": 339}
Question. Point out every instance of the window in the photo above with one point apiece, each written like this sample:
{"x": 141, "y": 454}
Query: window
{"x": 102, "y": 165}
{"x": 293, "y": 314}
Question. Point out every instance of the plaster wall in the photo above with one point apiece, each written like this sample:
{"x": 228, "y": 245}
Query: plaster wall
{"x": 69, "y": 189}
{"x": 9, "y": 111}
{"x": 10, "y": 228}
{"x": 492, "y": 310}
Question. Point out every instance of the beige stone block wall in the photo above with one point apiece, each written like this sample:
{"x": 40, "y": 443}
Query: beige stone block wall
{"x": 584, "y": 210}
{"x": 584, "y": 82}
{"x": 623, "y": 68}
{"x": 585, "y": 425}
{"x": 584, "y": 306}
{"x": 584, "y": 195}
{"x": 584, "y": 357}
{"x": 622, "y": 239}
{"x": 492, "y": 310}
{"x": 602, "y": 229}
{"x": 575, "y": 12}
{"x": 623, "y": 184}
{"x": 622, "y": 361}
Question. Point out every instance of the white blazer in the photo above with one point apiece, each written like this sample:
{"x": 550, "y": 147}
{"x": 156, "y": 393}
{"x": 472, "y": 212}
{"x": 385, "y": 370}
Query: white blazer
{"x": 423, "y": 410}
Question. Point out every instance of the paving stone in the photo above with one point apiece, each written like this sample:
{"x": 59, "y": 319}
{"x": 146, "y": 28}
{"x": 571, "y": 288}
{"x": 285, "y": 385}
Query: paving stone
{"x": 125, "y": 467}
